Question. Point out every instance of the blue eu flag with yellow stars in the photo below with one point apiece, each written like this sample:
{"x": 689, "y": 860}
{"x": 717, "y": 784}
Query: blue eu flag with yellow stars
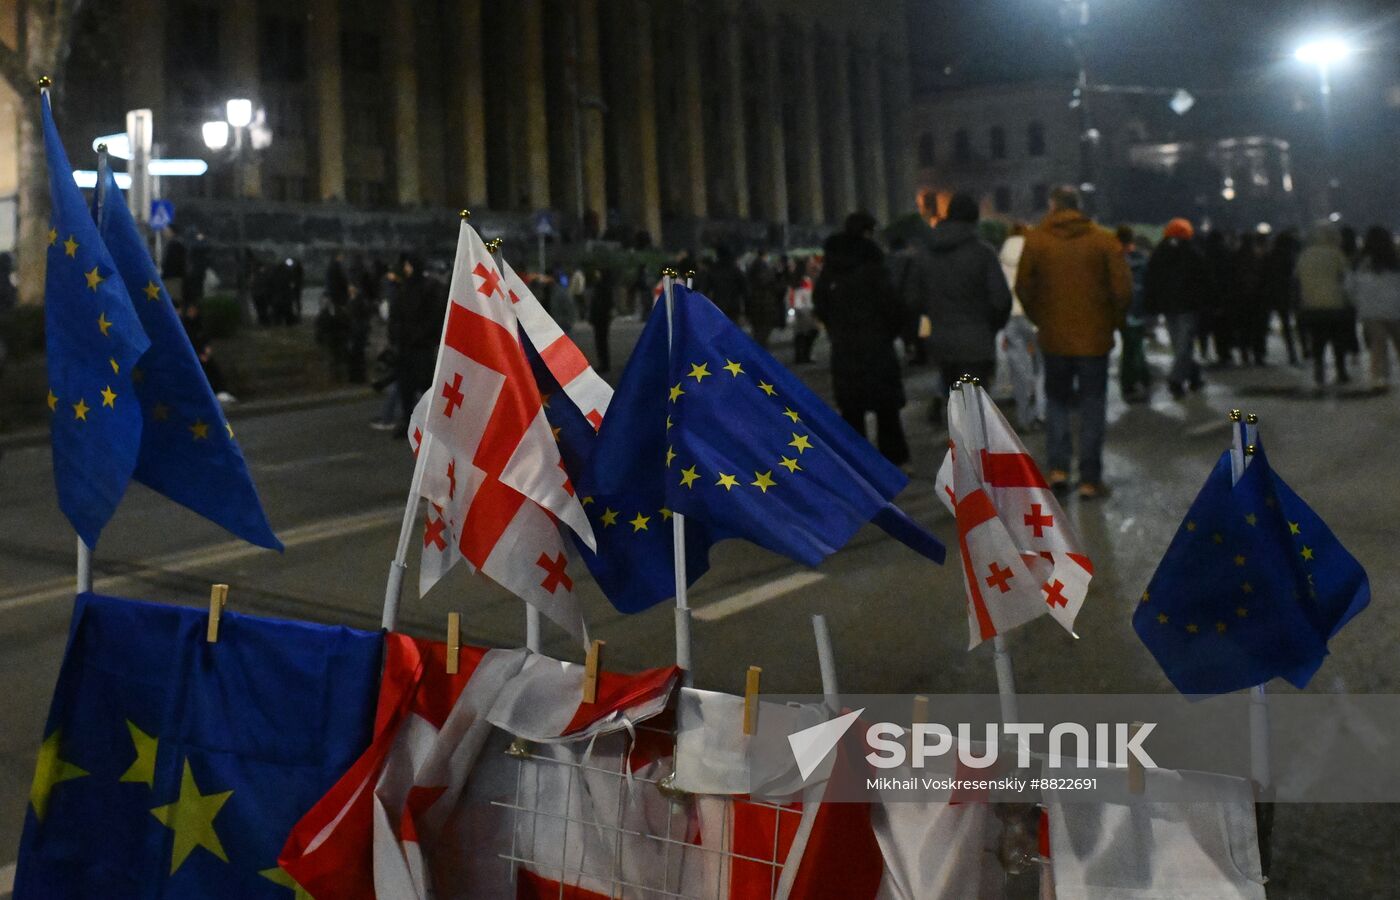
{"x": 740, "y": 445}
{"x": 94, "y": 341}
{"x": 188, "y": 451}
{"x": 1251, "y": 588}
{"x": 174, "y": 767}
{"x": 635, "y": 561}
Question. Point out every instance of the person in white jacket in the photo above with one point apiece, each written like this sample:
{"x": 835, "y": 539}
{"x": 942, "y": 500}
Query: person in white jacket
{"x": 1018, "y": 341}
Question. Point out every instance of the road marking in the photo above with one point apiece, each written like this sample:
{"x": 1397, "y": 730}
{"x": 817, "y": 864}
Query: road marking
{"x": 1205, "y": 428}
{"x": 314, "y": 461}
{"x": 722, "y": 609}
{"x": 212, "y": 555}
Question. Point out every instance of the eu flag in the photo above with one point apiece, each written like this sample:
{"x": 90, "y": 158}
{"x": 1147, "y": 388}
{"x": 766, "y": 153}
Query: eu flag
{"x": 740, "y": 445}
{"x": 188, "y": 452}
{"x": 635, "y": 561}
{"x": 173, "y": 767}
{"x": 1251, "y": 587}
{"x": 93, "y": 342}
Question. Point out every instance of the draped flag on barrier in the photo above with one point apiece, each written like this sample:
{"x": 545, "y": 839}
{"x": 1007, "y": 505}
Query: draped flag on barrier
{"x": 1021, "y": 557}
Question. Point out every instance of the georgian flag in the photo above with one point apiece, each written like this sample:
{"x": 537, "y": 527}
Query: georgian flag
{"x": 1020, "y": 555}
{"x": 492, "y": 476}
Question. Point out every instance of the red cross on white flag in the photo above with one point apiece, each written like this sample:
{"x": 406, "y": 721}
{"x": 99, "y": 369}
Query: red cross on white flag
{"x": 1020, "y": 555}
{"x": 492, "y": 472}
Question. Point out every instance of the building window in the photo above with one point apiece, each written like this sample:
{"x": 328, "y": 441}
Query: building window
{"x": 282, "y": 53}
{"x": 962, "y": 146}
{"x": 1035, "y": 139}
{"x": 997, "y": 140}
{"x": 1040, "y": 197}
{"x": 926, "y": 154}
{"x": 1003, "y": 199}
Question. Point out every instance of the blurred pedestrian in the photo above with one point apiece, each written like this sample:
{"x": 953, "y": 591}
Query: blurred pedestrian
{"x": 1376, "y": 287}
{"x": 1134, "y": 377}
{"x": 725, "y": 284}
{"x": 192, "y": 318}
{"x": 1076, "y": 287}
{"x": 767, "y": 295}
{"x": 603, "y": 285}
{"x": 1324, "y": 310}
{"x": 197, "y": 271}
{"x": 801, "y": 313}
{"x": 359, "y": 314}
{"x": 174, "y": 266}
{"x": 1251, "y": 303}
{"x": 856, "y": 302}
{"x": 415, "y": 326}
{"x": 1175, "y": 286}
{"x": 1217, "y": 315}
{"x": 1019, "y": 341}
{"x": 964, "y": 295}
{"x": 1276, "y": 283}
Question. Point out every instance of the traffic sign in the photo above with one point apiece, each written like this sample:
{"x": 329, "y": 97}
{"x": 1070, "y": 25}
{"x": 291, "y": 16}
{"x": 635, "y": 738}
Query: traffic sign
{"x": 162, "y": 214}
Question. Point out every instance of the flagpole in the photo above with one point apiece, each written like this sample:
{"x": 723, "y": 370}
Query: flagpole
{"x": 1246, "y": 438}
{"x": 683, "y": 616}
{"x": 84, "y": 557}
{"x": 826, "y": 661}
{"x": 1001, "y": 656}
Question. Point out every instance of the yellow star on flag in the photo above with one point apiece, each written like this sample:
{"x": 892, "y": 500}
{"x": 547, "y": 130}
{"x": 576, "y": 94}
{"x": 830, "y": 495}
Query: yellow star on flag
{"x": 1247, "y": 588}
{"x": 93, "y": 279}
{"x": 116, "y": 367}
{"x": 1306, "y": 553}
{"x": 1192, "y": 628}
{"x": 676, "y": 393}
{"x": 1162, "y": 618}
{"x": 790, "y": 414}
{"x": 767, "y": 388}
{"x": 109, "y": 397}
{"x": 1251, "y": 518}
{"x": 789, "y": 464}
{"x": 669, "y": 423}
{"x": 688, "y": 477}
{"x": 229, "y": 429}
{"x": 152, "y": 290}
{"x": 53, "y": 401}
{"x": 665, "y": 514}
{"x": 80, "y": 410}
{"x": 103, "y": 325}
{"x": 670, "y": 455}
{"x": 278, "y": 876}
{"x": 50, "y": 771}
{"x": 160, "y": 412}
{"x": 733, "y": 368}
{"x": 53, "y": 237}
{"x": 763, "y": 480}
{"x": 800, "y": 442}
{"x": 191, "y": 817}
{"x": 1293, "y": 528}
{"x": 200, "y": 430}
{"x": 143, "y": 770}
{"x": 585, "y": 501}
{"x": 1218, "y": 538}
{"x": 699, "y": 372}
{"x": 1146, "y": 597}
{"x": 1240, "y": 560}
{"x": 608, "y": 518}
{"x": 70, "y": 246}
{"x": 1190, "y": 526}
{"x": 1220, "y": 627}
{"x": 728, "y": 482}
{"x": 639, "y": 523}
{"x": 1241, "y": 611}
{"x": 555, "y": 431}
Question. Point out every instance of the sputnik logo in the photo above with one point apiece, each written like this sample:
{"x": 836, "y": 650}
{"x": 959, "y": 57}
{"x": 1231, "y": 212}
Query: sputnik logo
{"x": 811, "y": 746}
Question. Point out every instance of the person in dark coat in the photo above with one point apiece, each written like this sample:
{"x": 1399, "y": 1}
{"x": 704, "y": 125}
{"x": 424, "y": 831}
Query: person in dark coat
{"x": 964, "y": 293}
{"x": 1252, "y": 306}
{"x": 415, "y": 325}
{"x": 1277, "y": 286}
{"x": 198, "y": 269}
{"x": 602, "y": 285}
{"x": 1177, "y": 286}
{"x": 767, "y": 298}
{"x": 862, "y": 314}
{"x": 726, "y": 285}
{"x": 174, "y": 266}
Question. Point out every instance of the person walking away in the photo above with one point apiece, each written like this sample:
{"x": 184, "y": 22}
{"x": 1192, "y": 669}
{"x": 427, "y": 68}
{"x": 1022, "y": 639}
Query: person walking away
{"x": 1217, "y": 315}
{"x": 1075, "y": 286}
{"x": 193, "y": 321}
{"x": 1019, "y": 341}
{"x": 1134, "y": 377}
{"x": 767, "y": 294}
{"x": 959, "y": 282}
{"x": 1251, "y": 303}
{"x": 174, "y": 266}
{"x": 1277, "y": 285}
{"x": 198, "y": 269}
{"x": 415, "y": 326}
{"x": 1376, "y": 287}
{"x": 359, "y": 312}
{"x": 805, "y": 329}
{"x": 726, "y": 286}
{"x": 854, "y": 299}
{"x": 1324, "y": 310}
{"x": 1176, "y": 285}
{"x": 602, "y": 286}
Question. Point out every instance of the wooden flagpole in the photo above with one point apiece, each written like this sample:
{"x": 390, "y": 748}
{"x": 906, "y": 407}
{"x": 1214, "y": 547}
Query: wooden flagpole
{"x": 1001, "y": 657}
{"x": 683, "y": 613}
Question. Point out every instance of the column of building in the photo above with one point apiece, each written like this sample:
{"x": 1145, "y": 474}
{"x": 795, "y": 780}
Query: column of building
{"x": 529, "y": 123}
{"x": 328, "y": 88}
{"x": 840, "y": 178}
{"x": 729, "y": 69}
{"x": 403, "y": 62}
{"x": 468, "y": 102}
{"x": 635, "y": 121}
{"x": 684, "y": 48}
{"x": 869, "y": 119}
{"x": 590, "y": 112}
{"x": 240, "y": 35}
{"x": 806, "y": 178}
{"x": 899, "y": 147}
{"x": 772, "y": 156}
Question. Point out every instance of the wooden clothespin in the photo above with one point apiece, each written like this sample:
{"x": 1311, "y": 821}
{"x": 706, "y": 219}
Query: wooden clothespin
{"x": 218, "y": 599}
{"x": 920, "y": 713}
{"x": 591, "y": 664}
{"x": 751, "y": 700}
{"x": 454, "y": 642}
{"x": 1137, "y": 778}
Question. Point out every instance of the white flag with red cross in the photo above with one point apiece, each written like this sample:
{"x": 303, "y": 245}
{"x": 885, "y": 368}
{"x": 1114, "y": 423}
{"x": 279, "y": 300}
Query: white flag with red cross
{"x": 1020, "y": 555}
{"x": 565, "y": 361}
{"x": 493, "y": 476}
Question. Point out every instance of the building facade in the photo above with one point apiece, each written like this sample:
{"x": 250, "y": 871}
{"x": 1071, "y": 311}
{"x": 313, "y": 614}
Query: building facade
{"x": 624, "y": 116}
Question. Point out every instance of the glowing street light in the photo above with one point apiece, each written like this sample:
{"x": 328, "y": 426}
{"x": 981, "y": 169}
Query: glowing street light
{"x": 215, "y": 135}
{"x": 1323, "y": 53}
{"x": 239, "y": 113}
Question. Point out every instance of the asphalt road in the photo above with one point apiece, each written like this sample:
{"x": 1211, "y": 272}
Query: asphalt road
{"x": 334, "y": 490}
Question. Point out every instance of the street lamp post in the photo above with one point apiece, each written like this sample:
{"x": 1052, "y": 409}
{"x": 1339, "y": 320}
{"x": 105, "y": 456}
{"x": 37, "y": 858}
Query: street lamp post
{"x": 1075, "y": 16}
{"x": 1325, "y": 53}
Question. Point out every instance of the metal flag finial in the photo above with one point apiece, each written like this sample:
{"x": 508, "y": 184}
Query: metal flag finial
{"x": 101, "y": 148}
{"x": 690, "y": 273}
{"x": 494, "y": 245}
{"x": 1252, "y": 419}
{"x": 1235, "y": 415}
{"x": 669, "y": 272}
{"x": 1249, "y": 451}
{"x": 465, "y": 214}
{"x": 44, "y": 82}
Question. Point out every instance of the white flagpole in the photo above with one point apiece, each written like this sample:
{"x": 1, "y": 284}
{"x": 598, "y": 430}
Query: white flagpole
{"x": 393, "y": 588}
{"x": 683, "y": 615}
{"x": 826, "y": 661}
{"x": 1001, "y": 657}
{"x": 1244, "y": 440}
{"x": 532, "y": 615}
{"x": 84, "y": 559}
